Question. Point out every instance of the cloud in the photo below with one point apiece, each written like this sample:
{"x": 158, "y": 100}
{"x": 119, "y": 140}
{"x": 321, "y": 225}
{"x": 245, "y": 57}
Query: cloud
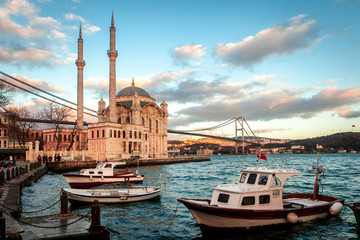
{"x": 88, "y": 28}
{"x": 73, "y": 17}
{"x": 185, "y": 54}
{"x": 28, "y": 56}
{"x": 37, "y": 83}
{"x": 349, "y": 113}
{"x": 299, "y": 32}
{"x": 329, "y": 81}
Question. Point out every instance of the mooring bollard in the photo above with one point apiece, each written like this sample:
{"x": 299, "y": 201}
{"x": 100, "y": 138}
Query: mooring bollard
{"x": 7, "y": 174}
{"x": 2, "y": 226}
{"x": 64, "y": 203}
{"x": 95, "y": 216}
{"x": 2, "y": 177}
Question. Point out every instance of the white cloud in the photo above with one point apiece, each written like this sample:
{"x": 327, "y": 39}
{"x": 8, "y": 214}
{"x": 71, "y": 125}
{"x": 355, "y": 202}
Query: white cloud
{"x": 187, "y": 53}
{"x": 73, "y": 17}
{"x": 39, "y": 84}
{"x": 297, "y": 33}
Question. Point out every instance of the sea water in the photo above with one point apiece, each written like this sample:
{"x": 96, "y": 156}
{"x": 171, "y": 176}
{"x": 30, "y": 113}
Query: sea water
{"x": 165, "y": 218}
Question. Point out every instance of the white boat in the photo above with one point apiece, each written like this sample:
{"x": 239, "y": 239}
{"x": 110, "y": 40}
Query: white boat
{"x": 257, "y": 200}
{"x": 116, "y": 195}
{"x": 103, "y": 173}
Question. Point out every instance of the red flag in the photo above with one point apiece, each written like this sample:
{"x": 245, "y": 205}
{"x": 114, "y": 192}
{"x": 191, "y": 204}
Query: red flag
{"x": 129, "y": 184}
{"x": 353, "y": 125}
{"x": 262, "y": 156}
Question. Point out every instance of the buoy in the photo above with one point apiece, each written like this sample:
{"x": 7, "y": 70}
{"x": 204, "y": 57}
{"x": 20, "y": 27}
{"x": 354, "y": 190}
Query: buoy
{"x": 336, "y": 208}
{"x": 292, "y": 218}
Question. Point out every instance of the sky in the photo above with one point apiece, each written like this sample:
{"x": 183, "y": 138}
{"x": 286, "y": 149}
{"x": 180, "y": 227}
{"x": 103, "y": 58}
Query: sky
{"x": 290, "y": 68}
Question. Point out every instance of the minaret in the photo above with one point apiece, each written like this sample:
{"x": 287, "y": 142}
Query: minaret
{"x": 112, "y": 53}
{"x": 80, "y": 63}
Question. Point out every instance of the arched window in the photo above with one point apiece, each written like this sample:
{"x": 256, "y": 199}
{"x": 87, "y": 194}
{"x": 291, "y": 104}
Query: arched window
{"x": 130, "y": 134}
{"x": 143, "y": 121}
{"x": 139, "y": 135}
{"x": 119, "y": 120}
{"x": 156, "y": 126}
{"x": 149, "y": 124}
{"x": 145, "y": 136}
{"x": 114, "y": 133}
{"x": 128, "y": 120}
{"x": 124, "y": 134}
{"x": 5, "y": 143}
{"x": 135, "y": 136}
{"x": 119, "y": 134}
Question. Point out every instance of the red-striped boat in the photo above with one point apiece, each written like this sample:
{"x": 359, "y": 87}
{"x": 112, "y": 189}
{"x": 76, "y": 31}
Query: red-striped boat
{"x": 104, "y": 173}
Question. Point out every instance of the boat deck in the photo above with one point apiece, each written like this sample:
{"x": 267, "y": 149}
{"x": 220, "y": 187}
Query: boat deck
{"x": 297, "y": 203}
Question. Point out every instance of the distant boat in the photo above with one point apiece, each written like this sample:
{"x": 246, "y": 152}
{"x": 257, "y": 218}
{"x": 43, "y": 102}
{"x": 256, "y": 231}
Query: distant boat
{"x": 103, "y": 174}
{"x": 117, "y": 195}
{"x": 257, "y": 200}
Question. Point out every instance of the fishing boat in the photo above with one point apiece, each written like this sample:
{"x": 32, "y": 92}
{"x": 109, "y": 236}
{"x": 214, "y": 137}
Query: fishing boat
{"x": 103, "y": 173}
{"x": 257, "y": 200}
{"x": 355, "y": 207}
{"x": 117, "y": 195}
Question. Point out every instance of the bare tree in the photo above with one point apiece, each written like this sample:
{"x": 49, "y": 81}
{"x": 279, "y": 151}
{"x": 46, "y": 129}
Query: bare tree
{"x": 19, "y": 130}
{"x": 5, "y": 98}
{"x": 55, "y": 114}
{"x": 73, "y": 134}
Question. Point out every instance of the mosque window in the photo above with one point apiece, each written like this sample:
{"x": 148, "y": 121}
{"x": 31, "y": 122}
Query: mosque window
{"x": 119, "y": 120}
{"x": 145, "y": 136}
{"x": 110, "y": 133}
{"x": 124, "y": 134}
{"x": 128, "y": 120}
{"x": 103, "y": 133}
{"x": 139, "y": 135}
{"x": 4, "y": 132}
{"x": 5, "y": 143}
{"x": 119, "y": 134}
{"x": 0, "y": 132}
{"x": 92, "y": 134}
{"x": 150, "y": 125}
{"x": 156, "y": 126}
{"x": 97, "y": 133}
{"x": 143, "y": 121}
{"x": 114, "y": 133}
{"x": 130, "y": 134}
{"x": 135, "y": 134}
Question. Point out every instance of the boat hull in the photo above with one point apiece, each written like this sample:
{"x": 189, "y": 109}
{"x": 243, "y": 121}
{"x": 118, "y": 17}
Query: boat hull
{"x": 78, "y": 196}
{"x": 84, "y": 181}
{"x": 228, "y": 218}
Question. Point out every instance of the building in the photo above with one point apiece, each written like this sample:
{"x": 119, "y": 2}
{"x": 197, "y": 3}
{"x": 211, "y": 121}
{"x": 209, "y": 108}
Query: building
{"x": 65, "y": 139}
{"x": 131, "y": 125}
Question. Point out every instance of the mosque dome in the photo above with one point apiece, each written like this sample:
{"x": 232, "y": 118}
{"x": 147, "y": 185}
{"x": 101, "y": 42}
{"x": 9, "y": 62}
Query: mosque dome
{"x": 130, "y": 91}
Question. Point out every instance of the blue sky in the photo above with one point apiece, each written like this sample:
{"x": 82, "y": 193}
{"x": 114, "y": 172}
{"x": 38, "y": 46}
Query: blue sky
{"x": 291, "y": 68}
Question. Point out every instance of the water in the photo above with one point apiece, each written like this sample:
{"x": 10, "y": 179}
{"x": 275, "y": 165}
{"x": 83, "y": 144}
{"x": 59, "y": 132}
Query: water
{"x": 152, "y": 219}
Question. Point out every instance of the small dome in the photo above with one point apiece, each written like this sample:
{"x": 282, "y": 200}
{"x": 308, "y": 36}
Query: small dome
{"x": 130, "y": 91}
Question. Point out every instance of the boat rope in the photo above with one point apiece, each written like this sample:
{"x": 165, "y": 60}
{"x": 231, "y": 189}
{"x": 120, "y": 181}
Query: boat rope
{"x": 10, "y": 209}
{"x": 172, "y": 219}
{"x": 52, "y": 227}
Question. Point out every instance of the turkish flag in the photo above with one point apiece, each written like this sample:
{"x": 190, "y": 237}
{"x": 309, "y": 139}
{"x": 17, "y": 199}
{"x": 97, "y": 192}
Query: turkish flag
{"x": 353, "y": 125}
{"x": 262, "y": 156}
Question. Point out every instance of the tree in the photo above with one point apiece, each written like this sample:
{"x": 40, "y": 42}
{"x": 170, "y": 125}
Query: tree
{"x": 56, "y": 114}
{"x": 20, "y": 129}
{"x": 5, "y": 98}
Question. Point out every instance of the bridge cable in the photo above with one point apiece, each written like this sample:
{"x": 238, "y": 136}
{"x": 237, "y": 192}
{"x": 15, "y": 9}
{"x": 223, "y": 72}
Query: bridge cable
{"x": 53, "y": 101}
{"x": 29, "y": 85}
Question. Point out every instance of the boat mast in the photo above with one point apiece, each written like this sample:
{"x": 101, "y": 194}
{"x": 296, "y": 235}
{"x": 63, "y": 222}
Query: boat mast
{"x": 319, "y": 169}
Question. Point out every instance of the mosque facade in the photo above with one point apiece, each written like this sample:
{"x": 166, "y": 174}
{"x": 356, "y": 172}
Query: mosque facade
{"x": 131, "y": 125}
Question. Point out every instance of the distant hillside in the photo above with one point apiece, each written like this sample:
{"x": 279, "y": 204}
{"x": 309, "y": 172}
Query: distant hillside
{"x": 347, "y": 140}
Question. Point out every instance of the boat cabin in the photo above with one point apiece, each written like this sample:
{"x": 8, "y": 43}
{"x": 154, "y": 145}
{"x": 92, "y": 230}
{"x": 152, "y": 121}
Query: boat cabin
{"x": 257, "y": 188}
{"x": 102, "y": 169}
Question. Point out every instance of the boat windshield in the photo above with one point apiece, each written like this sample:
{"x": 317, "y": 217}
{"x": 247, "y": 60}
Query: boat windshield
{"x": 243, "y": 177}
{"x": 100, "y": 165}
